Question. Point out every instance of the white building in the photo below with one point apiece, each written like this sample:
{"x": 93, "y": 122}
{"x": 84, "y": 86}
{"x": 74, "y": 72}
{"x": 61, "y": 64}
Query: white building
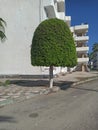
{"x": 81, "y": 39}
{"x": 22, "y": 18}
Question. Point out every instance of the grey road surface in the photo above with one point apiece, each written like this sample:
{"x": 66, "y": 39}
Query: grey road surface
{"x": 75, "y": 108}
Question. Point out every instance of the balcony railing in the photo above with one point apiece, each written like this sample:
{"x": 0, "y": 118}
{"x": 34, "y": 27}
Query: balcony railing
{"x": 81, "y": 38}
{"x": 83, "y": 60}
{"x": 81, "y": 27}
{"x": 68, "y": 20}
{"x": 71, "y": 28}
{"x": 82, "y": 49}
{"x": 61, "y": 15}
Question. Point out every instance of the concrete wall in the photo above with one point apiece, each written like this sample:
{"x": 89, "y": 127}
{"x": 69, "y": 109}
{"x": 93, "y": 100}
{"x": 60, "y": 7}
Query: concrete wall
{"x": 22, "y": 17}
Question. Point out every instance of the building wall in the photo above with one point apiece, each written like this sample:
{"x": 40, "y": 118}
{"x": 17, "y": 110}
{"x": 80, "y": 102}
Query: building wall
{"x": 81, "y": 39}
{"x": 22, "y": 17}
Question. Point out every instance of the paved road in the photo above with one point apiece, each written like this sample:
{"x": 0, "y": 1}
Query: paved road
{"x": 72, "y": 109}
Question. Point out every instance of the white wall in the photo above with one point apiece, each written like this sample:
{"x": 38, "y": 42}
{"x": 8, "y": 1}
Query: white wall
{"x": 22, "y": 17}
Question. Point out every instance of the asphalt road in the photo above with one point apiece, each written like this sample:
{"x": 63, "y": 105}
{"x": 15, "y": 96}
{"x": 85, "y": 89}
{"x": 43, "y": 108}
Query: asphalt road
{"x": 72, "y": 109}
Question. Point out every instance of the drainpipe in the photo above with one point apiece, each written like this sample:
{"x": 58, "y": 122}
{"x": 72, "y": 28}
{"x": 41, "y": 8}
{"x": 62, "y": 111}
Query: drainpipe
{"x": 40, "y": 10}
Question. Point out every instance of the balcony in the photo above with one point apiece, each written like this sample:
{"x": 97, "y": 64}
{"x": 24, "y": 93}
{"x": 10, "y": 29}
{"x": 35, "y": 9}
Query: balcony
{"x": 68, "y": 20}
{"x": 83, "y": 60}
{"x": 81, "y": 28}
{"x": 72, "y": 29}
{"x": 81, "y": 38}
{"x": 82, "y": 49}
{"x": 50, "y": 11}
{"x": 60, "y": 6}
{"x": 61, "y": 15}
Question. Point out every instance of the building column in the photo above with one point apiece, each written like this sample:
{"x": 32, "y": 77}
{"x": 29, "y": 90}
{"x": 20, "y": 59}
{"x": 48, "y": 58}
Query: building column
{"x": 83, "y": 67}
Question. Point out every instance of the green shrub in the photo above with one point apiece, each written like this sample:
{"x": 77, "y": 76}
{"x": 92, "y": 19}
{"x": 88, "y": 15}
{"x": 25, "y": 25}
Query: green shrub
{"x": 53, "y": 45}
{"x": 6, "y": 83}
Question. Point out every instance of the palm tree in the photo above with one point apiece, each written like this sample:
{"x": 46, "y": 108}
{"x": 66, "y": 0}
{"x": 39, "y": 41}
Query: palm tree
{"x": 2, "y": 29}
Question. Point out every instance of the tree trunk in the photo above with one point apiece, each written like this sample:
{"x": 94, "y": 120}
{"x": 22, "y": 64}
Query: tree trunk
{"x": 51, "y": 76}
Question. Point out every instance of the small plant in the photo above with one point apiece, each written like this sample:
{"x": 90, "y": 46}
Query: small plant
{"x": 6, "y": 83}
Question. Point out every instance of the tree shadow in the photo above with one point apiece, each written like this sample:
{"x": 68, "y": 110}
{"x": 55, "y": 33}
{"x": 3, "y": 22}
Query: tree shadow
{"x": 30, "y": 83}
{"x": 65, "y": 85}
{"x": 7, "y": 119}
{"x": 41, "y": 83}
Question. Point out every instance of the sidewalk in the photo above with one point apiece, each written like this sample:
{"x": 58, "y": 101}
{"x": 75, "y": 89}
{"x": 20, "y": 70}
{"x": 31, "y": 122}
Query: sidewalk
{"x": 20, "y": 89}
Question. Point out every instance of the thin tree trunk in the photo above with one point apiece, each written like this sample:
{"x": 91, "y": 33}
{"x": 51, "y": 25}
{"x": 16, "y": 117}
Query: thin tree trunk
{"x": 51, "y": 76}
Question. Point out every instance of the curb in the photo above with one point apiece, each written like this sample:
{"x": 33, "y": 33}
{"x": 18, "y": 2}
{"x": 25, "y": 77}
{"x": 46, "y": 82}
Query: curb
{"x": 78, "y": 82}
{"x": 45, "y": 92}
{"x": 84, "y": 81}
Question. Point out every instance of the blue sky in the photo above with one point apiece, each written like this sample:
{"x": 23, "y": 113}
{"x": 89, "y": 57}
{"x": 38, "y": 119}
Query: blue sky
{"x": 84, "y": 11}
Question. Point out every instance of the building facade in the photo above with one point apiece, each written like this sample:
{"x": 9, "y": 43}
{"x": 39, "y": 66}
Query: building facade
{"x": 81, "y": 39}
{"x": 22, "y": 18}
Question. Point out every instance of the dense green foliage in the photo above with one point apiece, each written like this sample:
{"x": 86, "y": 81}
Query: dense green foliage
{"x": 53, "y": 45}
{"x": 2, "y": 29}
{"x": 94, "y": 50}
{"x": 95, "y": 47}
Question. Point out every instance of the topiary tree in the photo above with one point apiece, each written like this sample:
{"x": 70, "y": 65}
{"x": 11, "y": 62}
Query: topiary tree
{"x": 53, "y": 45}
{"x": 2, "y": 29}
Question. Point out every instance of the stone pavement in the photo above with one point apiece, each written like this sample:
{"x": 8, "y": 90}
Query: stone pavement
{"x": 20, "y": 89}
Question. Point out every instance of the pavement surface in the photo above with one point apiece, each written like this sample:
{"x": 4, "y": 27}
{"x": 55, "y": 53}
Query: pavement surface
{"x": 73, "y": 109}
{"x": 20, "y": 89}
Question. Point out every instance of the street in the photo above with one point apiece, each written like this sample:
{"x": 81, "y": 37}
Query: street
{"x": 75, "y": 108}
